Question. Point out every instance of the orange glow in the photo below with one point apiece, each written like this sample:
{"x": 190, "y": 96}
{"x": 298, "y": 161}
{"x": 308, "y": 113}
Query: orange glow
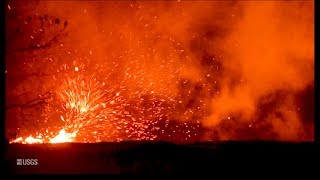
{"x": 169, "y": 71}
{"x": 62, "y": 137}
{"x": 31, "y": 140}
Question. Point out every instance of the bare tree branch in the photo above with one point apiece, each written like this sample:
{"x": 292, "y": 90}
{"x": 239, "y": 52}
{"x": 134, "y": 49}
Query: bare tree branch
{"x": 47, "y": 26}
{"x": 34, "y": 102}
{"x": 44, "y": 46}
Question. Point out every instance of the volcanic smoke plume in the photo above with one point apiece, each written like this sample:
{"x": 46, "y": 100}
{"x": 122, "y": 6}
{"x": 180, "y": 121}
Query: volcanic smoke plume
{"x": 80, "y": 71}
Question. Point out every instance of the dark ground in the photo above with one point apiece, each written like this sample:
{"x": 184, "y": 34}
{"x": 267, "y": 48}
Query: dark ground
{"x": 162, "y": 158}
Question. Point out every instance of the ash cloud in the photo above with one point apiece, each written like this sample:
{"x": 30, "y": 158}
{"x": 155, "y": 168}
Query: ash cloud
{"x": 271, "y": 50}
{"x": 260, "y": 57}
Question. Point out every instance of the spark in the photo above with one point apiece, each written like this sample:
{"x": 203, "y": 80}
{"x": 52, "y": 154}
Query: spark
{"x": 87, "y": 106}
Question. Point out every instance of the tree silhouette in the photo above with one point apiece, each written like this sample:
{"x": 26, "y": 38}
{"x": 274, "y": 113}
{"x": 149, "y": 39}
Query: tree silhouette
{"x": 29, "y": 39}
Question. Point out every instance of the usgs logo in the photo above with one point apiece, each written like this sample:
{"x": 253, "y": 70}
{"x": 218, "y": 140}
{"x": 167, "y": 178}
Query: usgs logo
{"x": 28, "y": 162}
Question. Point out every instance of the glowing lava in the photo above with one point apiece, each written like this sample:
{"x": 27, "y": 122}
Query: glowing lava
{"x": 62, "y": 137}
{"x": 31, "y": 140}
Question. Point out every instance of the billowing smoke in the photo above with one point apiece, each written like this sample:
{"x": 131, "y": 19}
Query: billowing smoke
{"x": 271, "y": 52}
{"x": 243, "y": 70}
